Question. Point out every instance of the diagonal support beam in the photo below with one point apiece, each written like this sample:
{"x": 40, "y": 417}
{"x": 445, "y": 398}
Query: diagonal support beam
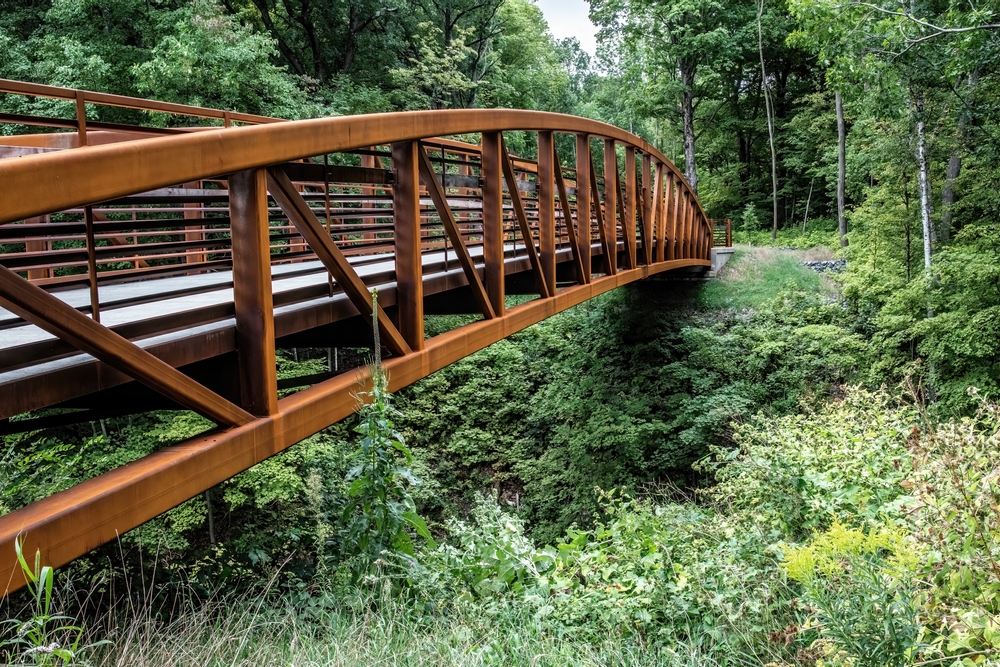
{"x": 623, "y": 208}
{"x": 602, "y": 230}
{"x": 451, "y": 228}
{"x": 308, "y": 225}
{"x": 568, "y": 219}
{"x": 49, "y": 313}
{"x": 544, "y": 289}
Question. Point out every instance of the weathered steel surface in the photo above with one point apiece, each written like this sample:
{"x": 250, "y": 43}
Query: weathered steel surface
{"x": 187, "y": 259}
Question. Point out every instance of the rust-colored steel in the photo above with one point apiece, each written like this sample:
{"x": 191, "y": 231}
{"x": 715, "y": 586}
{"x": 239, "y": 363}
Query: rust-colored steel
{"x": 567, "y": 212}
{"x": 610, "y": 202}
{"x": 406, "y": 159}
{"x": 631, "y": 200}
{"x": 658, "y": 214}
{"x": 46, "y": 312}
{"x": 647, "y": 210}
{"x": 670, "y": 220}
{"x": 252, "y": 297}
{"x": 547, "y": 208}
{"x": 607, "y": 257}
{"x": 544, "y": 289}
{"x": 583, "y": 235}
{"x": 492, "y": 174}
{"x": 296, "y": 208}
{"x": 220, "y": 220}
{"x": 451, "y": 229}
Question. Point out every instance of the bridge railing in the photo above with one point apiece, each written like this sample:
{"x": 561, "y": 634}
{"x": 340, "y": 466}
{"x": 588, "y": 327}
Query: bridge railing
{"x": 722, "y": 233}
{"x": 185, "y": 117}
{"x": 391, "y": 201}
{"x": 186, "y": 227}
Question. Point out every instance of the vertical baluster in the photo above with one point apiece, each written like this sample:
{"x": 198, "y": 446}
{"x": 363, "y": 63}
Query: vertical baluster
{"x": 583, "y": 237}
{"x": 663, "y": 220}
{"x": 647, "y": 209}
{"x": 681, "y": 220}
{"x": 687, "y": 224}
{"x": 493, "y": 232}
{"x": 671, "y": 218}
{"x": 252, "y": 295}
{"x": 631, "y": 189}
{"x": 95, "y": 301}
{"x": 610, "y": 202}
{"x": 658, "y": 213}
{"x": 406, "y": 227}
{"x": 547, "y": 208}
{"x": 81, "y": 118}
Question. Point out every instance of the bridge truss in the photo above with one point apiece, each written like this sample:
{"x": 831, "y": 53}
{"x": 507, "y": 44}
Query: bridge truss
{"x": 149, "y": 267}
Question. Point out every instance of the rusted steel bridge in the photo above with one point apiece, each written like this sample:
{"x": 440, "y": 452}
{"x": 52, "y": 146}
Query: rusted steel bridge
{"x": 159, "y": 265}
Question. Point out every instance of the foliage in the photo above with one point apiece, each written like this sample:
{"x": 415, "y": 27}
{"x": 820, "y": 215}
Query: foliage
{"x": 378, "y": 507}
{"x": 862, "y": 586}
{"x": 45, "y": 638}
{"x": 845, "y": 461}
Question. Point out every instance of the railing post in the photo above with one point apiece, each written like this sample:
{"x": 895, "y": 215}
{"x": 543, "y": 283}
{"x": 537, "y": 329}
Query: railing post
{"x": 682, "y": 198}
{"x": 547, "y": 207}
{"x": 406, "y": 227}
{"x": 729, "y": 232}
{"x": 688, "y": 220}
{"x": 492, "y": 175}
{"x": 583, "y": 203}
{"x": 659, "y": 214}
{"x": 610, "y": 201}
{"x": 95, "y": 299}
{"x": 647, "y": 209}
{"x": 252, "y": 294}
{"x": 81, "y": 118}
{"x": 628, "y": 225}
{"x": 670, "y": 218}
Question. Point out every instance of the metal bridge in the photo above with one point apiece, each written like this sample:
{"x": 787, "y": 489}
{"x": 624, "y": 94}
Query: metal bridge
{"x": 159, "y": 264}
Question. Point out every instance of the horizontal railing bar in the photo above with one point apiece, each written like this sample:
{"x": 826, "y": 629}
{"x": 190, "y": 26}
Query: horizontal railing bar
{"x": 124, "y": 101}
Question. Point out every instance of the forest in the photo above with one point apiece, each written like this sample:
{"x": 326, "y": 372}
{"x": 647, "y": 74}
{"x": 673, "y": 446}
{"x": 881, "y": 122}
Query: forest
{"x": 776, "y": 467}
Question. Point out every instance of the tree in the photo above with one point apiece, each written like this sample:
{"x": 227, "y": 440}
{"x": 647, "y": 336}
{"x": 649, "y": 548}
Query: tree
{"x": 678, "y": 44}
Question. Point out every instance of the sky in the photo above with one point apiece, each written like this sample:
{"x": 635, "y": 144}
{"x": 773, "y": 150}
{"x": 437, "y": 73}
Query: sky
{"x": 570, "y": 18}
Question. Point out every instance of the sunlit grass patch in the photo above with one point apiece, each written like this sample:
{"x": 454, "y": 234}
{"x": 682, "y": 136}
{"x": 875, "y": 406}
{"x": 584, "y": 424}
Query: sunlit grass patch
{"x": 755, "y": 276}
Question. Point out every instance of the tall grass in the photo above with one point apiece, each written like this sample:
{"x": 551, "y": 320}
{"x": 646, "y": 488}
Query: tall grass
{"x": 755, "y": 276}
{"x": 246, "y": 632}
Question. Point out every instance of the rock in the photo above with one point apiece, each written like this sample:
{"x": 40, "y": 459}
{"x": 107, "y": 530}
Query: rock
{"x": 825, "y": 266}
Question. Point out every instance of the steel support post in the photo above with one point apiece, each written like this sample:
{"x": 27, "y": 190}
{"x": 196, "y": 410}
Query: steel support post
{"x": 611, "y": 202}
{"x": 583, "y": 238}
{"x": 658, "y": 213}
{"x": 547, "y": 208}
{"x": 670, "y": 217}
{"x": 647, "y": 209}
{"x": 406, "y": 227}
{"x": 493, "y": 240}
{"x": 252, "y": 294}
{"x": 631, "y": 191}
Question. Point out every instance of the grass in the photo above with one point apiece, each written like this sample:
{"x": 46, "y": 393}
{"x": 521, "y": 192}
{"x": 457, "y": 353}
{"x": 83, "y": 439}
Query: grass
{"x": 246, "y": 632}
{"x": 755, "y": 276}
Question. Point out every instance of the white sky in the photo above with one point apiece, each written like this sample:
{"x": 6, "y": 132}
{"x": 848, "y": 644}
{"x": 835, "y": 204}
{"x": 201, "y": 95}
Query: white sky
{"x": 570, "y": 18}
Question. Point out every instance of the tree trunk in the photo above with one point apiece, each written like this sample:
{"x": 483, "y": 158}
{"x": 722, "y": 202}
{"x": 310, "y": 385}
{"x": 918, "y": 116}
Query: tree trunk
{"x": 841, "y": 169}
{"x": 770, "y": 124}
{"x": 687, "y": 111}
{"x": 924, "y": 184}
{"x": 808, "y": 199}
{"x": 955, "y": 164}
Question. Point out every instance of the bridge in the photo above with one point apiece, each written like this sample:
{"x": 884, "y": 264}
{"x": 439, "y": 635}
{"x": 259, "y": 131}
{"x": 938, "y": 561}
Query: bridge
{"x": 160, "y": 263}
